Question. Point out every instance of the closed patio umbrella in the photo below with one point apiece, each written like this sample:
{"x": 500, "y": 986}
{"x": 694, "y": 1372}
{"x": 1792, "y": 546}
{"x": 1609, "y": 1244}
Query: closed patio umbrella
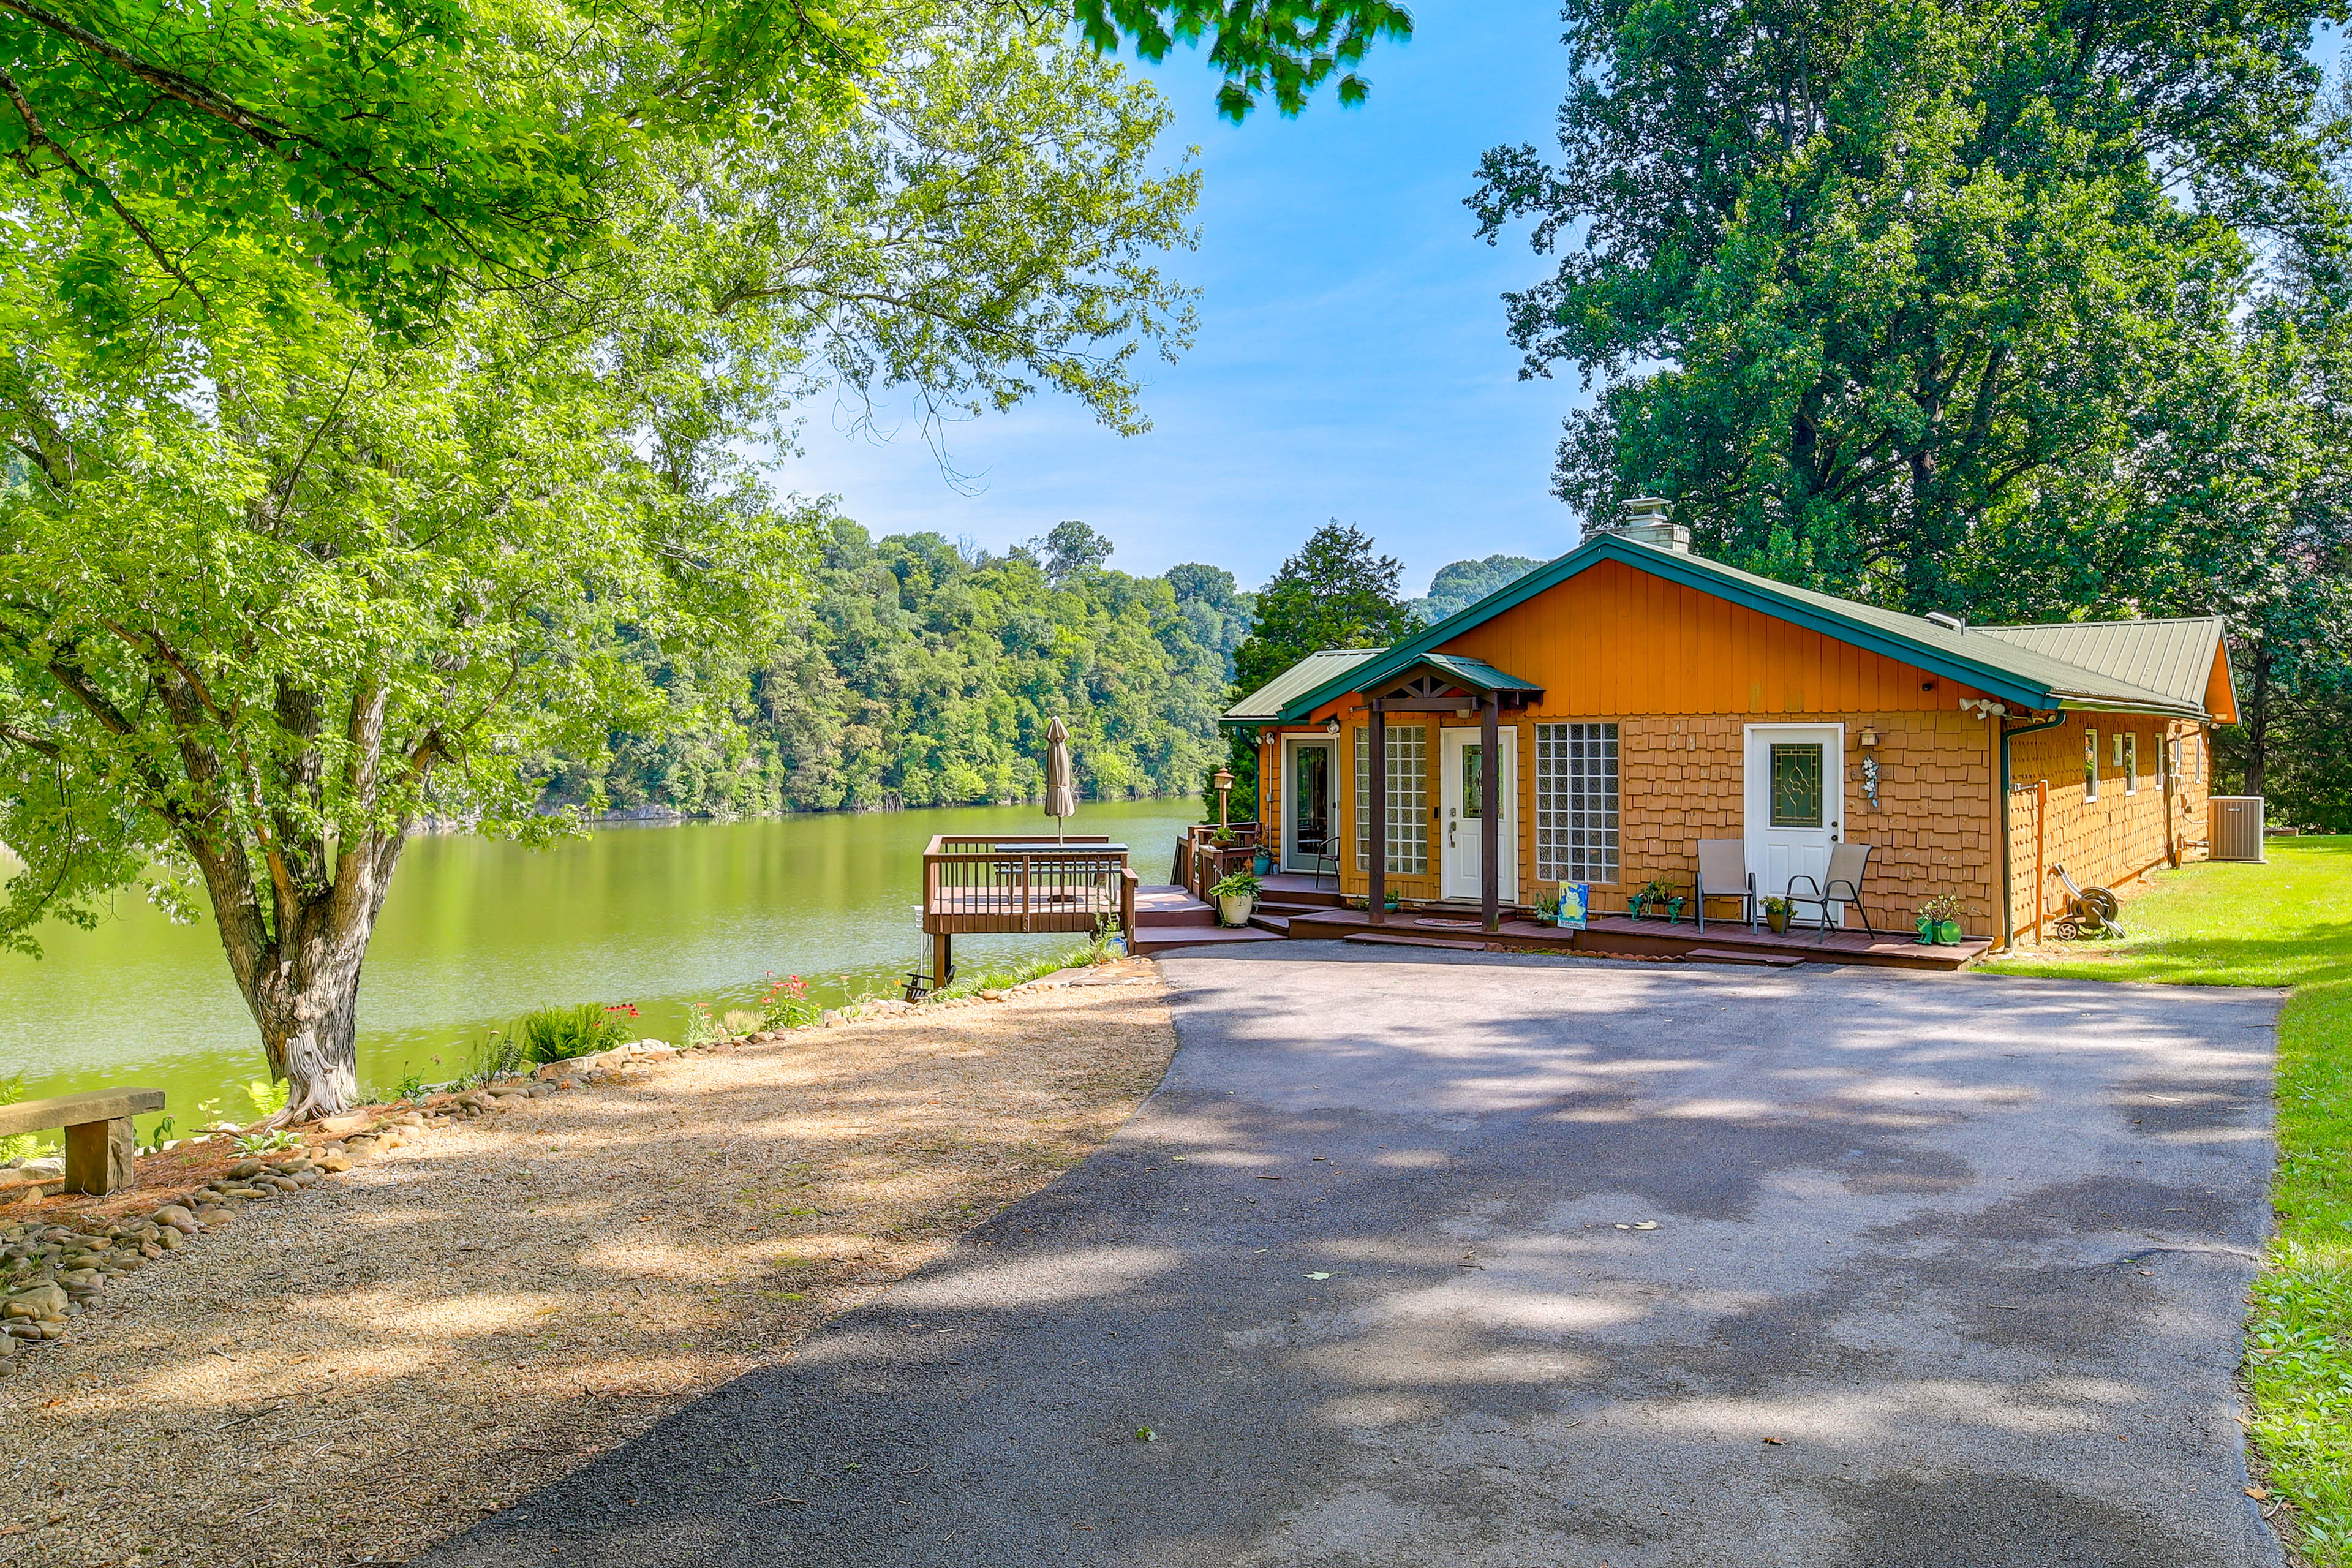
{"x": 1061, "y": 792}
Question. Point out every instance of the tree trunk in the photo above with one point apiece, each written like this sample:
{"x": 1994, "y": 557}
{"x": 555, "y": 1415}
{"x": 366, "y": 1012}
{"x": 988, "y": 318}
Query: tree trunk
{"x": 302, "y": 979}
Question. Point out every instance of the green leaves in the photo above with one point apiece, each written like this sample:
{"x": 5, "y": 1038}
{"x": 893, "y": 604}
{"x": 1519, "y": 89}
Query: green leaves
{"x": 1283, "y": 48}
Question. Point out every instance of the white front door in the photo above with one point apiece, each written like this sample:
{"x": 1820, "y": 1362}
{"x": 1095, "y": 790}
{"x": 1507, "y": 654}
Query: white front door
{"x": 1308, "y": 827}
{"x": 1795, "y": 804}
{"x": 1460, "y": 800}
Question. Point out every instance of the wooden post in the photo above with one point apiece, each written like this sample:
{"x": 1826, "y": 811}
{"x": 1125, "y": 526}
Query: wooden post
{"x": 100, "y": 1156}
{"x": 1126, "y": 908}
{"x": 1376, "y": 832}
{"x": 1490, "y": 823}
{"x": 943, "y": 959}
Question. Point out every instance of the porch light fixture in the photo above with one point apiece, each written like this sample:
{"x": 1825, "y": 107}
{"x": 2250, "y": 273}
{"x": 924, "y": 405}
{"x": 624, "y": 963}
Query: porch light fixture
{"x": 1869, "y": 735}
{"x": 1331, "y": 726}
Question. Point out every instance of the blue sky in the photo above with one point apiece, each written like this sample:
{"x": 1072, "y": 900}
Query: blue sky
{"x": 1350, "y": 360}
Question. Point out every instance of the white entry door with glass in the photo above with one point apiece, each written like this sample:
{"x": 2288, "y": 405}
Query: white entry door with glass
{"x": 1461, "y": 802}
{"x": 1308, "y": 826}
{"x": 1795, "y": 776}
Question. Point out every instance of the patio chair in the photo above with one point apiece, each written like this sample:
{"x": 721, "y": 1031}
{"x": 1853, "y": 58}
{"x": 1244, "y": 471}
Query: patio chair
{"x": 1326, "y": 864}
{"x": 1723, "y": 873}
{"x": 1840, "y": 883}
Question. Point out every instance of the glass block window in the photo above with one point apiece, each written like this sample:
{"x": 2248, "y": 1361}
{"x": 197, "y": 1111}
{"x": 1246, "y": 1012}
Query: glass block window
{"x": 1408, "y": 789}
{"x": 1797, "y": 785}
{"x": 1575, "y": 803}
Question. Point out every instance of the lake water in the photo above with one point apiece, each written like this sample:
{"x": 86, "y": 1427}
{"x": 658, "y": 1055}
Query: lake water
{"x": 476, "y": 932}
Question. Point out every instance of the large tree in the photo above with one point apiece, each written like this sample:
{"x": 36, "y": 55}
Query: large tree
{"x": 413, "y": 150}
{"x": 274, "y": 581}
{"x": 1885, "y": 294}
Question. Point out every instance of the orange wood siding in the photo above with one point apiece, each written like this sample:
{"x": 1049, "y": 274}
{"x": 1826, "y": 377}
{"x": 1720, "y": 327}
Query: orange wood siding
{"x": 1614, "y": 641}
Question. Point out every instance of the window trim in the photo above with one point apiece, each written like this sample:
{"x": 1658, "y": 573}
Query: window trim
{"x": 2090, "y": 766}
{"x": 2130, "y": 739}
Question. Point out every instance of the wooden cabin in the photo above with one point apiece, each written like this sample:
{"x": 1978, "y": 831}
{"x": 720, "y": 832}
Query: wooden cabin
{"x": 1638, "y": 699}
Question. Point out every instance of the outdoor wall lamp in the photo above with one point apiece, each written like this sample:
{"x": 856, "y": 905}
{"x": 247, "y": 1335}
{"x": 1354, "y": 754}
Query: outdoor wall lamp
{"x": 1331, "y": 726}
{"x": 1869, "y": 735}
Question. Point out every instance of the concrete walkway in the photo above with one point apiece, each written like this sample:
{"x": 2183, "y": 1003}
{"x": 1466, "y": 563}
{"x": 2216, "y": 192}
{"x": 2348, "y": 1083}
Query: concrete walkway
{"x": 1568, "y": 1263}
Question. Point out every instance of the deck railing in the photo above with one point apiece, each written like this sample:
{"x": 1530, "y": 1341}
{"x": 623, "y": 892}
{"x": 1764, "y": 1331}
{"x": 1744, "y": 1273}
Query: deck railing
{"x": 1023, "y": 882}
{"x": 1201, "y": 862}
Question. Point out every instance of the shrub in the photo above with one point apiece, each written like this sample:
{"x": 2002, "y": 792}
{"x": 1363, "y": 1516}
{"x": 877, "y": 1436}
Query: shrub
{"x": 739, "y": 1022}
{"x": 21, "y": 1145}
{"x": 559, "y": 1034}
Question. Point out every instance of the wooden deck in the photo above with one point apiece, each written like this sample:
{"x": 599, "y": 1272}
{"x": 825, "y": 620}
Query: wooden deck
{"x": 1722, "y": 943}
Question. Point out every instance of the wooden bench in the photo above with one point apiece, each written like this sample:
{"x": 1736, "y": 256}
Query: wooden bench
{"x": 100, "y": 1142}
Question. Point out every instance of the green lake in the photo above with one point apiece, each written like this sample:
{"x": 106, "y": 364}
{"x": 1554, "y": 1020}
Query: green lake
{"x": 477, "y": 932}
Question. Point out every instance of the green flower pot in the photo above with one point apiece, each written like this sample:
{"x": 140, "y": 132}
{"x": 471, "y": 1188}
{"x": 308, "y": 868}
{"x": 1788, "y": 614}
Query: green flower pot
{"x": 1927, "y": 930}
{"x": 1948, "y": 934}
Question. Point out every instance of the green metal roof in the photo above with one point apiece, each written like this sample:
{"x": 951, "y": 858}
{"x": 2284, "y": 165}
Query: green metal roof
{"x": 2171, "y": 656}
{"x": 2011, "y": 669}
{"x": 1316, "y": 669}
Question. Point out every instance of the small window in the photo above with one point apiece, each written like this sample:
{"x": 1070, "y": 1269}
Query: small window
{"x": 2117, "y": 759}
{"x": 2130, "y": 744}
{"x": 2090, "y": 765}
{"x": 1797, "y": 787}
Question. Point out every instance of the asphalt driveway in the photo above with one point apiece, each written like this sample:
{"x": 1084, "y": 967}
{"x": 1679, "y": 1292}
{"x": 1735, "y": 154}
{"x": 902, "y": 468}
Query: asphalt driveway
{"x": 1480, "y": 1259}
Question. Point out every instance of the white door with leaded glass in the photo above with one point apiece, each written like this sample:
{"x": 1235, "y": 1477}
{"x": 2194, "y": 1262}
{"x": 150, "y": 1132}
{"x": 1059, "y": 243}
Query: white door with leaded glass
{"x": 1795, "y": 777}
{"x": 1459, "y": 803}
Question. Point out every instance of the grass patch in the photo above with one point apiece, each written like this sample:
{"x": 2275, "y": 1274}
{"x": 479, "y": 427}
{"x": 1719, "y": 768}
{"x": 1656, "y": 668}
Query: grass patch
{"x": 2287, "y": 923}
{"x": 970, "y": 981}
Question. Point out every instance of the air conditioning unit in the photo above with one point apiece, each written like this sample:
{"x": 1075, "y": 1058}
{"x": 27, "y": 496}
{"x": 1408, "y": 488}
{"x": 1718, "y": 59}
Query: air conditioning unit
{"x": 2237, "y": 827}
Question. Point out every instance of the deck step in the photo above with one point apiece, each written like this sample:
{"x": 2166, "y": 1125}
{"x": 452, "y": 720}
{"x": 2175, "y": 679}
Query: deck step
{"x": 1149, "y": 940}
{"x": 1279, "y": 924}
{"x": 1159, "y": 907}
{"x": 1385, "y": 939}
{"x": 1724, "y": 955}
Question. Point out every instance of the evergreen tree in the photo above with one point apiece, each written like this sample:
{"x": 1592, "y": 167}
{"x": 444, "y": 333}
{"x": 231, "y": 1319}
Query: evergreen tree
{"x": 1335, "y": 593}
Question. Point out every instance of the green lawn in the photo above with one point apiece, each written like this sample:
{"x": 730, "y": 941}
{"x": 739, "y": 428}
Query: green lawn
{"x": 2286, "y": 924}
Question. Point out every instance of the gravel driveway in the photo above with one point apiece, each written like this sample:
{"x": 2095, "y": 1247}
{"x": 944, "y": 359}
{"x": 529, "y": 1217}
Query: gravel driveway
{"x": 1479, "y": 1259}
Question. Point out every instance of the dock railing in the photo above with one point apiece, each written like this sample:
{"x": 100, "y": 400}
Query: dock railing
{"x": 1023, "y": 883}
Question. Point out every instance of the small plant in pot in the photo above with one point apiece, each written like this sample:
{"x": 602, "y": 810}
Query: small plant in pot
{"x": 1236, "y": 895}
{"x": 1940, "y": 919}
{"x": 1776, "y": 914}
{"x": 1648, "y": 895}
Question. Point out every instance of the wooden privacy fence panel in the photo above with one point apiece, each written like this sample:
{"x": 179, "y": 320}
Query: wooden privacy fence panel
{"x": 1024, "y": 884}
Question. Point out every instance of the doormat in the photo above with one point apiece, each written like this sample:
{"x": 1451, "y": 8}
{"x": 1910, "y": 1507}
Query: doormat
{"x": 1450, "y": 925}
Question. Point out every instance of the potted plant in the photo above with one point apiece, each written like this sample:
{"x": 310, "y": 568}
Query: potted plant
{"x": 1392, "y": 903}
{"x": 1940, "y": 919}
{"x": 1650, "y": 892}
{"x": 1236, "y": 895}
{"x": 1776, "y": 915}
